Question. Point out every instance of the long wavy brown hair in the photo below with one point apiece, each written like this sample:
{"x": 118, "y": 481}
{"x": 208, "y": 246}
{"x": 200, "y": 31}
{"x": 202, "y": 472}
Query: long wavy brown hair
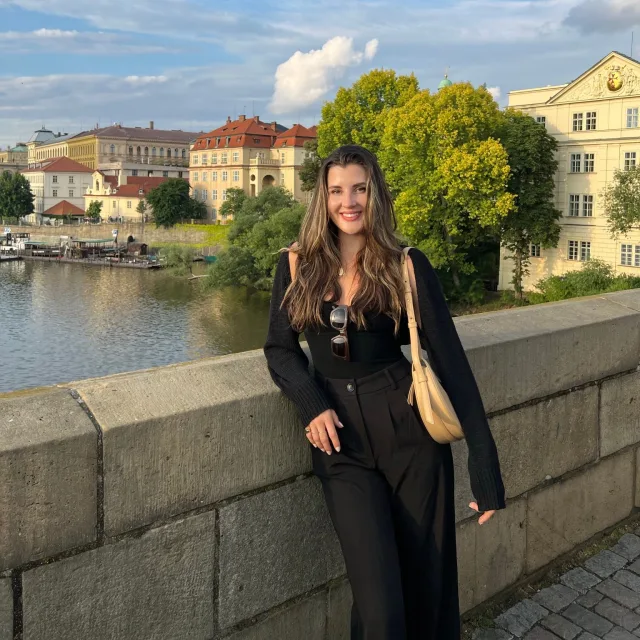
{"x": 378, "y": 264}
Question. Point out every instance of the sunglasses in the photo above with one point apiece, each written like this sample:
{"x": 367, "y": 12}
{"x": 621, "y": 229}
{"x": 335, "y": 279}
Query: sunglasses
{"x": 339, "y": 319}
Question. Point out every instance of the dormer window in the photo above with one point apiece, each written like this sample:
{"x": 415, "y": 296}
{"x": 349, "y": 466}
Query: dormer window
{"x": 140, "y": 191}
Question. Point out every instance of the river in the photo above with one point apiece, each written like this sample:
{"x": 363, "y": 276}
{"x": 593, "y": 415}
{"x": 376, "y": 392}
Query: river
{"x": 66, "y": 322}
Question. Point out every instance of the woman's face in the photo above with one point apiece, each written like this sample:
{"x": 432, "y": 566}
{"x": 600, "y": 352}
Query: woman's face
{"x": 347, "y": 187}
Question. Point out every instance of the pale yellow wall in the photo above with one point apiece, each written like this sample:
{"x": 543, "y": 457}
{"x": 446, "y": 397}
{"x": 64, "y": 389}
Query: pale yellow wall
{"x": 608, "y": 142}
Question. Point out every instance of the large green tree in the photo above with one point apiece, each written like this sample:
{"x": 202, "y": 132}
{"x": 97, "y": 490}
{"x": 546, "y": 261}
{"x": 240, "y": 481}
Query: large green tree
{"x": 16, "y": 198}
{"x": 448, "y": 173}
{"x": 171, "y": 203}
{"x": 310, "y": 166}
{"x": 261, "y": 227}
{"x": 534, "y": 220}
{"x": 233, "y": 203}
{"x": 622, "y": 201}
{"x": 357, "y": 114}
{"x": 94, "y": 209}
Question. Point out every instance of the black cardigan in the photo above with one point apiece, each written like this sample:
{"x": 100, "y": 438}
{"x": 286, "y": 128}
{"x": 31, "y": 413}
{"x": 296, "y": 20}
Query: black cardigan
{"x": 289, "y": 368}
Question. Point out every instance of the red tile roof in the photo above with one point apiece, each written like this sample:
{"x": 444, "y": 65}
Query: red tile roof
{"x": 142, "y": 134}
{"x": 243, "y": 132}
{"x": 59, "y": 165}
{"x": 64, "y": 208}
{"x": 135, "y": 184}
{"x": 112, "y": 180}
{"x": 296, "y": 136}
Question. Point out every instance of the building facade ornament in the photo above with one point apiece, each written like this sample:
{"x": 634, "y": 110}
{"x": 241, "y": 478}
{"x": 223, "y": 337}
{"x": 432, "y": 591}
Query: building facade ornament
{"x": 610, "y": 81}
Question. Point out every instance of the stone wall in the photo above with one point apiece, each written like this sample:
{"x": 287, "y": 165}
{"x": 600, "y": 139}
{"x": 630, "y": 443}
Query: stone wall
{"x": 178, "y": 503}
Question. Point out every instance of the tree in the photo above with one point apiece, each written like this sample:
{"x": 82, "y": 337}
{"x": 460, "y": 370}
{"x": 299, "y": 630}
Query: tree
{"x": 622, "y": 201}
{"x": 448, "y": 173}
{"x": 233, "y": 203}
{"x": 94, "y": 209}
{"x": 171, "y": 203}
{"x": 142, "y": 209}
{"x": 310, "y": 166}
{"x": 357, "y": 115}
{"x": 16, "y": 198}
{"x": 534, "y": 220}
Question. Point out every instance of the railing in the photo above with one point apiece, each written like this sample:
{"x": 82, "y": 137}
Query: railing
{"x": 254, "y": 162}
{"x": 164, "y": 161}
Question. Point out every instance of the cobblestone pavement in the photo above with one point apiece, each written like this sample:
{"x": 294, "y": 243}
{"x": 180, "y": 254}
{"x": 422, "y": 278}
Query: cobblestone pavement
{"x": 599, "y": 599}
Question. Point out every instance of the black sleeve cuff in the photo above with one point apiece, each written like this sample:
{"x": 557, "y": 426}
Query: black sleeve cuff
{"x": 487, "y": 486}
{"x": 310, "y": 400}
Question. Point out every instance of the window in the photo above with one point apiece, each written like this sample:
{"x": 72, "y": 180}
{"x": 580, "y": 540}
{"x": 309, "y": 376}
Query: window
{"x": 165, "y": 174}
{"x": 184, "y": 154}
{"x": 128, "y": 204}
{"x": 585, "y": 251}
{"x": 55, "y": 179}
{"x": 574, "y": 206}
{"x": 534, "y": 250}
{"x": 228, "y": 140}
{"x": 214, "y": 158}
{"x": 70, "y": 179}
{"x": 112, "y": 148}
{"x": 204, "y": 194}
{"x": 217, "y": 142}
{"x": 134, "y": 172}
{"x": 196, "y": 193}
{"x": 223, "y": 158}
{"x": 180, "y": 174}
{"x": 130, "y": 151}
{"x": 629, "y": 160}
{"x": 55, "y": 193}
{"x": 71, "y": 193}
{"x": 168, "y": 153}
{"x": 576, "y": 162}
{"x": 283, "y": 157}
{"x": 589, "y": 162}
{"x": 205, "y": 159}
{"x": 214, "y": 213}
{"x": 214, "y": 194}
{"x": 224, "y": 194}
{"x": 113, "y": 204}
{"x": 577, "y": 122}
{"x": 196, "y": 161}
{"x": 214, "y": 176}
{"x": 637, "y": 260}
{"x": 626, "y": 254}
{"x": 632, "y": 118}
{"x": 256, "y": 140}
{"x": 153, "y": 152}
{"x": 236, "y": 156}
{"x": 146, "y": 151}
{"x": 587, "y": 206}
{"x": 236, "y": 176}
{"x": 573, "y": 249}
{"x": 225, "y": 176}
{"x": 591, "y": 120}
{"x": 205, "y": 176}
{"x": 541, "y": 120}
{"x": 162, "y": 152}
{"x": 196, "y": 176}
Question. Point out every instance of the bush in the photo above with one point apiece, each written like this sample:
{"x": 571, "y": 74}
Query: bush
{"x": 178, "y": 258}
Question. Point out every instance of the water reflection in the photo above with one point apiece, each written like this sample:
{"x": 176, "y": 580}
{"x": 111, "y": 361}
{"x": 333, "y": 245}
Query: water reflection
{"x": 67, "y": 322}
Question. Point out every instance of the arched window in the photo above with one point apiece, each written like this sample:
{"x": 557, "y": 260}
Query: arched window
{"x": 168, "y": 153}
{"x": 153, "y": 152}
{"x": 162, "y": 152}
{"x": 146, "y": 151}
{"x": 184, "y": 154}
{"x": 113, "y": 148}
{"x": 175, "y": 153}
{"x": 139, "y": 152}
{"x": 97, "y": 186}
{"x": 130, "y": 151}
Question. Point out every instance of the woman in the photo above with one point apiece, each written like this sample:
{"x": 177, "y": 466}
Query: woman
{"x": 388, "y": 485}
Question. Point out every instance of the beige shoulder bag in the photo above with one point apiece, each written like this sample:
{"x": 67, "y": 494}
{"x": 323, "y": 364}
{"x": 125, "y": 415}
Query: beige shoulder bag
{"x": 434, "y": 406}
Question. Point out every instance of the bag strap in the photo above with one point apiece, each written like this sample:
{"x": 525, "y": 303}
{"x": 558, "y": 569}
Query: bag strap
{"x": 416, "y": 355}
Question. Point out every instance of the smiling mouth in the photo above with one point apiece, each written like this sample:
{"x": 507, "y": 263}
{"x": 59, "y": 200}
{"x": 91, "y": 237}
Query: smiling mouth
{"x": 351, "y": 216}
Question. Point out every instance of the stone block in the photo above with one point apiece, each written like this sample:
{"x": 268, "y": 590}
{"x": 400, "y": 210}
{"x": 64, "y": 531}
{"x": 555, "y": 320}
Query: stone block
{"x": 184, "y": 436}
{"x": 619, "y": 413}
{"x": 628, "y": 546}
{"x": 618, "y": 633}
{"x": 619, "y": 593}
{"x": 491, "y": 556}
{"x": 6, "y": 609}
{"x": 562, "y": 627}
{"x": 588, "y": 620}
{"x": 538, "y": 633}
{"x": 590, "y": 599}
{"x": 556, "y": 597}
{"x": 568, "y": 512}
{"x": 304, "y": 619}
{"x": 510, "y": 351}
{"x": 48, "y": 478}
{"x": 158, "y": 585}
{"x": 491, "y": 634}
{"x": 274, "y": 546}
{"x": 586, "y": 636}
{"x": 605, "y": 563}
{"x": 618, "y": 614}
{"x": 339, "y": 612}
{"x": 580, "y": 580}
{"x": 521, "y": 617}
{"x": 628, "y": 579}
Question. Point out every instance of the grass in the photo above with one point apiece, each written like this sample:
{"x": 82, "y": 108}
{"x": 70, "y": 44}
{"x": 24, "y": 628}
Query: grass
{"x": 216, "y": 234}
{"x": 484, "y": 614}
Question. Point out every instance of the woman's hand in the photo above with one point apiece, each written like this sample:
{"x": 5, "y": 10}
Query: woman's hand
{"x": 485, "y": 515}
{"x": 321, "y": 432}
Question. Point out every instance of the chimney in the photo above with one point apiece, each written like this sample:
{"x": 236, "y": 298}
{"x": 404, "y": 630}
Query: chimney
{"x": 151, "y": 124}
{"x": 274, "y": 126}
{"x": 228, "y": 119}
{"x": 256, "y": 118}
{"x": 242, "y": 118}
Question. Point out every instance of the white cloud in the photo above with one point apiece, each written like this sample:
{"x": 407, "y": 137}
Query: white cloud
{"x": 306, "y": 77}
{"x": 138, "y": 80}
{"x": 495, "y": 92}
{"x": 604, "y": 16}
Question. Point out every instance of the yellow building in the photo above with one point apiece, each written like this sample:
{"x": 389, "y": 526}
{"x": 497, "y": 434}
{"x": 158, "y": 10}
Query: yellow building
{"x": 595, "y": 120}
{"x": 13, "y": 159}
{"x": 247, "y": 154}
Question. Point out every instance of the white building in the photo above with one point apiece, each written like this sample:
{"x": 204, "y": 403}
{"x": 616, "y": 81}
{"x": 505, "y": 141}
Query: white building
{"x": 56, "y": 181}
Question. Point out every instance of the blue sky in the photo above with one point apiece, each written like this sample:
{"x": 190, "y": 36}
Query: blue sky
{"x": 71, "y": 64}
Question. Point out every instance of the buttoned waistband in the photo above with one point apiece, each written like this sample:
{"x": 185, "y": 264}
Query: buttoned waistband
{"x": 388, "y": 377}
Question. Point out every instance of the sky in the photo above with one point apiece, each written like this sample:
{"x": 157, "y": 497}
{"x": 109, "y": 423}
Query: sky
{"x": 188, "y": 64}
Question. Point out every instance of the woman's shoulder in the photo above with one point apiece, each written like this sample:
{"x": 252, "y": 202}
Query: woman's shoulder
{"x": 418, "y": 259}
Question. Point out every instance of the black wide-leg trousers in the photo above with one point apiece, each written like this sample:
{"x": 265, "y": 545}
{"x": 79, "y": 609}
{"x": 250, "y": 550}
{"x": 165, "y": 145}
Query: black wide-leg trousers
{"x": 390, "y": 496}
